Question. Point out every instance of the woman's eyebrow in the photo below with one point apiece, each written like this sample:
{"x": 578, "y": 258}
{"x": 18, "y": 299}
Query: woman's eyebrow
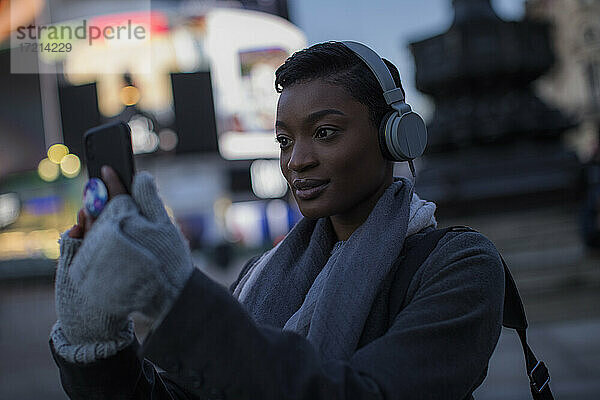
{"x": 313, "y": 117}
{"x": 280, "y": 124}
{"x": 317, "y": 115}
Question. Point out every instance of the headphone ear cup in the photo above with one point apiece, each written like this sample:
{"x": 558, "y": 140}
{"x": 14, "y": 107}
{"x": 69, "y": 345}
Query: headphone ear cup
{"x": 402, "y": 137}
{"x": 411, "y": 136}
{"x": 383, "y": 126}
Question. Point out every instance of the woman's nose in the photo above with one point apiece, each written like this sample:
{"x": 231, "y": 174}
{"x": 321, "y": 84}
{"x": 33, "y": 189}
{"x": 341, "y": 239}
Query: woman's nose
{"x": 302, "y": 157}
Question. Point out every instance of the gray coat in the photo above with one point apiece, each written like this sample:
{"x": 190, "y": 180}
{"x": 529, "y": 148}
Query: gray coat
{"x": 436, "y": 347}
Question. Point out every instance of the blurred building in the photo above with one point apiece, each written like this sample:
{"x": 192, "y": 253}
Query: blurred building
{"x": 199, "y": 98}
{"x": 488, "y": 122}
{"x": 496, "y": 158}
{"x": 573, "y": 83}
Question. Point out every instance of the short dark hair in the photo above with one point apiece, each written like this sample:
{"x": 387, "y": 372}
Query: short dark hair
{"x": 337, "y": 65}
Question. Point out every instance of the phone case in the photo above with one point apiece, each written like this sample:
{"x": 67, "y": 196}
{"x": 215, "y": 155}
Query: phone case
{"x": 110, "y": 144}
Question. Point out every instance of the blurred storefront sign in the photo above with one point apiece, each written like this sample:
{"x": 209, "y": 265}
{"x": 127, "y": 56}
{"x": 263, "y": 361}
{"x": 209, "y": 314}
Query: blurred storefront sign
{"x": 197, "y": 80}
{"x": 194, "y": 82}
{"x": 201, "y": 112}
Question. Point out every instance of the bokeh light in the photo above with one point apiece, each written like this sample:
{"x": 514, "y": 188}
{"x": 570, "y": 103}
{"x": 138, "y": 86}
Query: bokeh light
{"x": 143, "y": 137}
{"x": 267, "y": 180}
{"x": 47, "y": 170}
{"x": 10, "y": 208}
{"x": 220, "y": 207}
{"x": 130, "y": 95}
{"x": 70, "y": 165}
{"x": 56, "y": 152}
{"x": 43, "y": 242}
{"x": 167, "y": 140}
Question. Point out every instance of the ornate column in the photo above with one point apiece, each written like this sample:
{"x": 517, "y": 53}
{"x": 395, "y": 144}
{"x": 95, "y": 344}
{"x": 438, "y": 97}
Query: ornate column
{"x": 493, "y": 144}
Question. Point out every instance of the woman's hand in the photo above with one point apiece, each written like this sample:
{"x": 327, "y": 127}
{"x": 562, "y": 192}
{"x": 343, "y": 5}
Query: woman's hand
{"x": 132, "y": 258}
{"x": 85, "y": 332}
{"x": 84, "y": 219}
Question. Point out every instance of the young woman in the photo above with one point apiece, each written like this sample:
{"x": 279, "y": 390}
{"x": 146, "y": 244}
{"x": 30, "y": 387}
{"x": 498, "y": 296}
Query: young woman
{"x": 309, "y": 319}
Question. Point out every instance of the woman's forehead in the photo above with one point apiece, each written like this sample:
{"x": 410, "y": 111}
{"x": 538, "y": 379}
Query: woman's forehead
{"x": 311, "y": 96}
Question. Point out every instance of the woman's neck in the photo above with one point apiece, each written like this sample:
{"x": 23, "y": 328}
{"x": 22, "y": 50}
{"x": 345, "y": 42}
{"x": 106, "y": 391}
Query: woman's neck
{"x": 345, "y": 224}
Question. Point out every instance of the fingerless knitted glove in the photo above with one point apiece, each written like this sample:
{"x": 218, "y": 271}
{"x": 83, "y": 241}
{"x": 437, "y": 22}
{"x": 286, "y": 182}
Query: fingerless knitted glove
{"x": 132, "y": 259}
{"x": 83, "y": 333}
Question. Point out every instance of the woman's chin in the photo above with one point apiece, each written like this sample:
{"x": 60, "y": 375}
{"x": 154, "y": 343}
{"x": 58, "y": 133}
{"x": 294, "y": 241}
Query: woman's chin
{"x": 312, "y": 210}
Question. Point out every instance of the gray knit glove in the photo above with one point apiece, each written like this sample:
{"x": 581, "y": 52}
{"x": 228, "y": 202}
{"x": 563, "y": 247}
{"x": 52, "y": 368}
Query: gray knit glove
{"x": 132, "y": 259}
{"x": 83, "y": 333}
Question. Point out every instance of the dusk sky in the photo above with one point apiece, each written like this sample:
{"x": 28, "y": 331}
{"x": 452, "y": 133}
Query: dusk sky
{"x": 387, "y": 26}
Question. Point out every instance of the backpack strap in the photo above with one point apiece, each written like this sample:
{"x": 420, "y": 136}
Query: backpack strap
{"x": 415, "y": 250}
{"x": 419, "y": 247}
{"x": 514, "y": 317}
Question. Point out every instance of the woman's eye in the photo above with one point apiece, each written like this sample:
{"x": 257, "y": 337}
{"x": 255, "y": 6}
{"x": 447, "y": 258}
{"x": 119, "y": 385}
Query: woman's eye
{"x": 283, "y": 141}
{"x": 323, "y": 133}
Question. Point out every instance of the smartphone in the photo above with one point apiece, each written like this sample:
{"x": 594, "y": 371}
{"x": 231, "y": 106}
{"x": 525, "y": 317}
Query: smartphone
{"x": 110, "y": 144}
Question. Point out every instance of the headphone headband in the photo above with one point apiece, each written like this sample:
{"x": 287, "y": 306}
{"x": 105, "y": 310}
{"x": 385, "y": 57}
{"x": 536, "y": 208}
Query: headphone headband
{"x": 391, "y": 92}
{"x": 402, "y": 132}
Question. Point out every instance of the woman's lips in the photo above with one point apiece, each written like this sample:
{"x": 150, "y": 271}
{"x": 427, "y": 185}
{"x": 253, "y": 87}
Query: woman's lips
{"x": 311, "y": 192}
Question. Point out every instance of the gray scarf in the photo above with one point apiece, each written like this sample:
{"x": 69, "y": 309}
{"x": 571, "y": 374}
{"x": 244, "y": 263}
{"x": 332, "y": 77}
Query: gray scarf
{"x": 282, "y": 290}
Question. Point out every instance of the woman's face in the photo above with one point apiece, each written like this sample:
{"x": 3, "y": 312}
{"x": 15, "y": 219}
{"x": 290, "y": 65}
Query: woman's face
{"x": 330, "y": 155}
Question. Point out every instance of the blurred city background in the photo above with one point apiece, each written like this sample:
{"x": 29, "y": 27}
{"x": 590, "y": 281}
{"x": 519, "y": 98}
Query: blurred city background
{"x": 510, "y": 90}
